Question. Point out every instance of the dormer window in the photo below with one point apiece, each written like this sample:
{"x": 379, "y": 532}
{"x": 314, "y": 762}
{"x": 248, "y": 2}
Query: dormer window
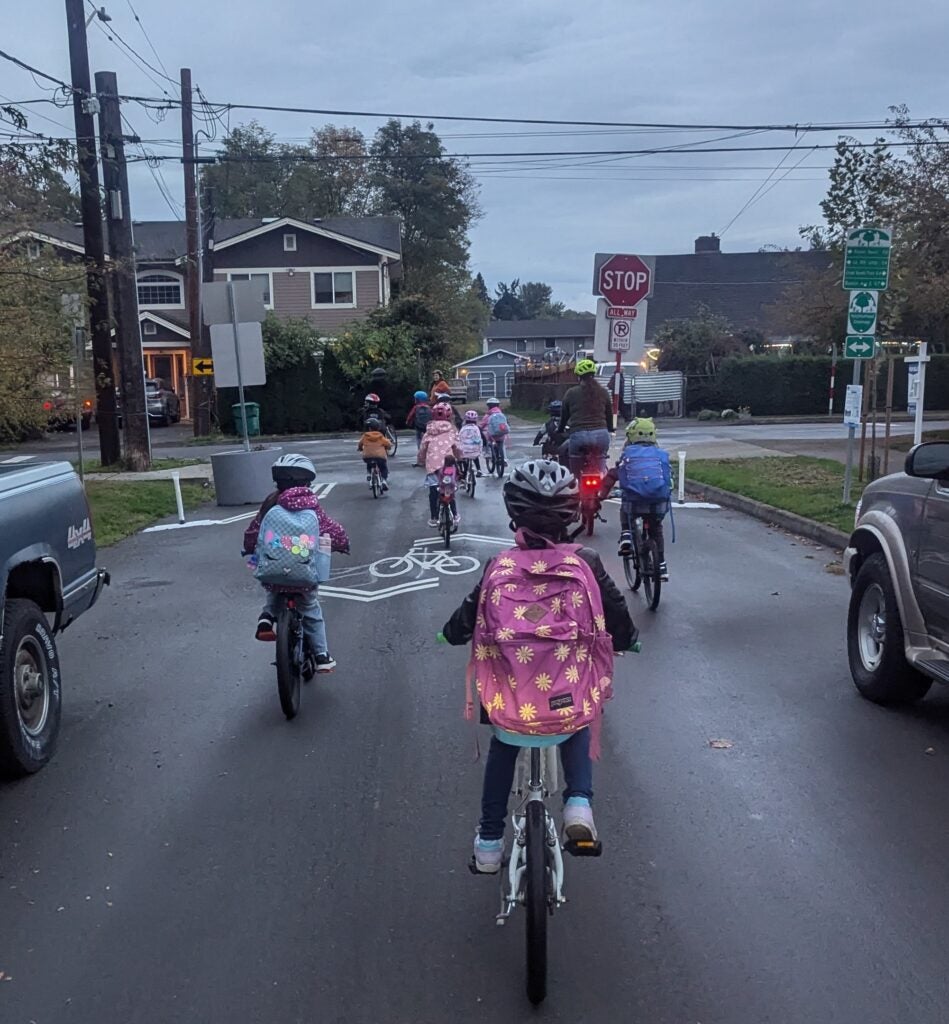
{"x": 149, "y": 327}
{"x": 290, "y": 243}
{"x": 33, "y": 250}
{"x": 160, "y": 291}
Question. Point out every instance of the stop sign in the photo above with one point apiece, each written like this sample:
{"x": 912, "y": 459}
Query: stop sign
{"x": 624, "y": 280}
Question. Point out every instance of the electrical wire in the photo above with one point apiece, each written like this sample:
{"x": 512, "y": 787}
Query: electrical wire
{"x": 148, "y": 38}
{"x": 118, "y": 39}
{"x": 758, "y": 191}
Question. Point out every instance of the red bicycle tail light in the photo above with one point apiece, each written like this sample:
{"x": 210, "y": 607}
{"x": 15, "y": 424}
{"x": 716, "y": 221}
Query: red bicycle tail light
{"x": 590, "y": 483}
{"x": 47, "y": 406}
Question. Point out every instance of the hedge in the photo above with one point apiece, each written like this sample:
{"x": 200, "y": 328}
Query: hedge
{"x": 799, "y": 385}
{"x": 305, "y": 399}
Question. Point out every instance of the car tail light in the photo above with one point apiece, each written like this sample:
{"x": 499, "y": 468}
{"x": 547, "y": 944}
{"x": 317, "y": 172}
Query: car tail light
{"x": 47, "y": 407}
{"x": 590, "y": 483}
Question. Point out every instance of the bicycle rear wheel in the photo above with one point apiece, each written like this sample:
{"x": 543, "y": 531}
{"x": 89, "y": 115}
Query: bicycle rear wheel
{"x": 536, "y": 902}
{"x": 489, "y": 458}
{"x": 631, "y": 571}
{"x": 376, "y": 484}
{"x": 652, "y": 581}
{"x": 289, "y": 667}
{"x": 499, "y": 463}
{"x": 444, "y": 526}
{"x": 472, "y": 481}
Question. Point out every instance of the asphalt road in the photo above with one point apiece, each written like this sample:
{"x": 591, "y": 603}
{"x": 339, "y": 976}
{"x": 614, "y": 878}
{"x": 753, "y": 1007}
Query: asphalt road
{"x": 191, "y": 857}
{"x": 172, "y": 442}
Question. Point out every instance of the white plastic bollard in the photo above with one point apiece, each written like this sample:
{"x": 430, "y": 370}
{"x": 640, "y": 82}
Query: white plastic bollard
{"x": 176, "y": 480}
{"x": 681, "y": 478}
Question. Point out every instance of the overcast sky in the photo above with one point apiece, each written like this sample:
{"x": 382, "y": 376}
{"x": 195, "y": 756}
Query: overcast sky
{"x": 680, "y": 61}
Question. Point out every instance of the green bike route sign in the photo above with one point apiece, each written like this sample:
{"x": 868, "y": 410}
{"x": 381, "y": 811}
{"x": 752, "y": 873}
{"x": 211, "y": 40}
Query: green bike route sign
{"x": 862, "y": 313}
{"x": 860, "y": 346}
{"x": 867, "y": 259}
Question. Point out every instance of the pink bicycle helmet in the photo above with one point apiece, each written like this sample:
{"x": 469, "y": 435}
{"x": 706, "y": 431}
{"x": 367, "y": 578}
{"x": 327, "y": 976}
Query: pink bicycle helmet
{"x": 471, "y": 416}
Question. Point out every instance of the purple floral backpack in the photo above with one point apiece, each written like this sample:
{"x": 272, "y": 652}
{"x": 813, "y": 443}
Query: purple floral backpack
{"x": 541, "y": 657}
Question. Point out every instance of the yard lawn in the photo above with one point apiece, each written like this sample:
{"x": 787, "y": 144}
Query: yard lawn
{"x": 121, "y": 508}
{"x": 809, "y": 487}
{"x": 95, "y": 466}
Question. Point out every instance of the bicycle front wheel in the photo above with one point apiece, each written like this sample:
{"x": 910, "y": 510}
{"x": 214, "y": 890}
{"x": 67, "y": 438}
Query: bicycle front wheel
{"x": 536, "y": 902}
{"x": 652, "y": 580}
{"x": 394, "y": 438}
{"x": 289, "y": 668}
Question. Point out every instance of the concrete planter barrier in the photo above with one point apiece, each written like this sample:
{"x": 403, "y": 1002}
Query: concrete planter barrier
{"x": 243, "y": 478}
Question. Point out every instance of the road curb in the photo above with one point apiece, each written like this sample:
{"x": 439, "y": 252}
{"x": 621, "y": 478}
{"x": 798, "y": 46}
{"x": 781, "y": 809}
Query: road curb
{"x": 790, "y": 521}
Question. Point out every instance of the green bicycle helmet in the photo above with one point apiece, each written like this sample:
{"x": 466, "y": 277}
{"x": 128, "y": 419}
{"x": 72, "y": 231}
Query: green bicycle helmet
{"x": 642, "y": 430}
{"x": 584, "y": 367}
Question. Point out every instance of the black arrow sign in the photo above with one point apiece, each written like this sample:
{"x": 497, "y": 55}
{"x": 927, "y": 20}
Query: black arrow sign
{"x": 203, "y": 366}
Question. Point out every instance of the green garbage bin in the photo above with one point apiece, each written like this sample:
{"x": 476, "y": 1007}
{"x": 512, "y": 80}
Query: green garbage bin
{"x": 253, "y": 418}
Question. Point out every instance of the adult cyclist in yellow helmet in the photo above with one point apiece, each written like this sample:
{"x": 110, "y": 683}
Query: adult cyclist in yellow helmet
{"x": 588, "y": 413}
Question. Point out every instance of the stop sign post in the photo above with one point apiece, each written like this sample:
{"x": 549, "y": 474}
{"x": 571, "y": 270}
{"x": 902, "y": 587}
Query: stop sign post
{"x": 625, "y": 281}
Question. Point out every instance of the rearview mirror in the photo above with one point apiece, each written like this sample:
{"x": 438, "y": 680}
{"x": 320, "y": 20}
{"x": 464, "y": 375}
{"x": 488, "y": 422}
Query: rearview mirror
{"x": 929, "y": 460}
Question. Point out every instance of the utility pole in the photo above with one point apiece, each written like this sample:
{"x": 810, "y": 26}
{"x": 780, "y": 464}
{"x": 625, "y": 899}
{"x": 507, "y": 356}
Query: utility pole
{"x": 128, "y": 333}
{"x": 206, "y": 265}
{"x": 84, "y": 107}
{"x": 199, "y": 398}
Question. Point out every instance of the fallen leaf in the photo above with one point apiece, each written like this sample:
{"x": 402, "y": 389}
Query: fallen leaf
{"x": 834, "y": 568}
{"x": 775, "y": 593}
{"x": 720, "y": 744}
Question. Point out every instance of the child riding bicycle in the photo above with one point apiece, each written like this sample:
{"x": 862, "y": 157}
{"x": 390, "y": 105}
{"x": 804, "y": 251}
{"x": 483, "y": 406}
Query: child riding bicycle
{"x": 550, "y": 436}
{"x": 644, "y": 475}
{"x": 440, "y": 440}
{"x": 494, "y": 425}
{"x": 293, "y": 475}
{"x": 375, "y": 446}
{"x": 530, "y": 676}
{"x": 471, "y": 442}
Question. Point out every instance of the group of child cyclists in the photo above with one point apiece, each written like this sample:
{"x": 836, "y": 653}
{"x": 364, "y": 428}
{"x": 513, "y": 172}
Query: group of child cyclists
{"x": 546, "y": 618}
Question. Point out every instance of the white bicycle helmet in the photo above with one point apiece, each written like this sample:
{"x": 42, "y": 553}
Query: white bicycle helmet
{"x": 543, "y": 496}
{"x": 492, "y": 401}
{"x": 292, "y": 470}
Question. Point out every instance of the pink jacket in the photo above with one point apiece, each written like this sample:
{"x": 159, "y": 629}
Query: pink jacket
{"x": 440, "y": 439}
{"x": 295, "y": 499}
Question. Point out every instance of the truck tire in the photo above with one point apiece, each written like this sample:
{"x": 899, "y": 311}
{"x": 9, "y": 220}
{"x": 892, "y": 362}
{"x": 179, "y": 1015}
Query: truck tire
{"x": 875, "y": 645}
{"x": 30, "y": 690}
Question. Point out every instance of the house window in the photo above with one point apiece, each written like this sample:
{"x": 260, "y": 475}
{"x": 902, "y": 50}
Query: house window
{"x": 33, "y": 250}
{"x": 289, "y": 243}
{"x": 160, "y": 290}
{"x": 334, "y": 288}
{"x": 262, "y": 279}
{"x": 149, "y": 327}
{"x": 520, "y": 345}
{"x": 550, "y": 342}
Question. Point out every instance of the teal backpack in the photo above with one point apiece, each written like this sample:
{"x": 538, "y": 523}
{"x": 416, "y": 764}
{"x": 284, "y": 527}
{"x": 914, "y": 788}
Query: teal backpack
{"x": 288, "y": 550}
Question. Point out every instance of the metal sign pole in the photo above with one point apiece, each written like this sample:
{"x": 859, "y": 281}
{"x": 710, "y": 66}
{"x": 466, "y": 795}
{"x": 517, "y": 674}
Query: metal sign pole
{"x": 237, "y": 357}
{"x": 851, "y": 435}
{"x": 921, "y": 396}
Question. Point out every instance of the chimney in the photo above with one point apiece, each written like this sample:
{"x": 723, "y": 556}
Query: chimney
{"x": 708, "y": 243}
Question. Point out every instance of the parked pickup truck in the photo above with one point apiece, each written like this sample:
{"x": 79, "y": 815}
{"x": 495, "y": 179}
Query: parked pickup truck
{"x": 898, "y": 563}
{"x": 48, "y": 577}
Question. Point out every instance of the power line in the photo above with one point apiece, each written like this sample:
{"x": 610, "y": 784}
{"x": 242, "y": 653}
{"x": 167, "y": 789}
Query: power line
{"x": 147, "y": 37}
{"x": 131, "y": 56}
{"x": 758, "y": 191}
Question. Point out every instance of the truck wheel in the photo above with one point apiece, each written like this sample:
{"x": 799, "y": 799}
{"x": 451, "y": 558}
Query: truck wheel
{"x": 30, "y": 690}
{"x": 875, "y": 639}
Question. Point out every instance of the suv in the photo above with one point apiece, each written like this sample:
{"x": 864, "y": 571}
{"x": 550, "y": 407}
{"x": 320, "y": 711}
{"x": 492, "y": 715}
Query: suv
{"x": 163, "y": 404}
{"x": 898, "y": 564}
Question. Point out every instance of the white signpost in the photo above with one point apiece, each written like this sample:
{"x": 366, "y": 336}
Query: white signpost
{"x": 916, "y": 390}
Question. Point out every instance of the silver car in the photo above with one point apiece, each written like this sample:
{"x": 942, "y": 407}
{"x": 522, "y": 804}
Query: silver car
{"x": 898, "y": 564}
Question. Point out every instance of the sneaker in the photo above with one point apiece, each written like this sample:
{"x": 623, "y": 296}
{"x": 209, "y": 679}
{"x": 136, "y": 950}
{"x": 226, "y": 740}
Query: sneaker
{"x": 433, "y": 523}
{"x": 266, "y": 628}
{"x": 488, "y": 854}
{"x": 625, "y": 544}
{"x": 663, "y": 572}
{"x": 325, "y": 662}
{"x": 478, "y": 473}
{"x": 578, "y": 820}
{"x": 456, "y": 521}
{"x": 385, "y": 486}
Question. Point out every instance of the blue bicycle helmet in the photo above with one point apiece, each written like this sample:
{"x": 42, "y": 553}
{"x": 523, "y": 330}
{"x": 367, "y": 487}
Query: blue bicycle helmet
{"x": 420, "y": 396}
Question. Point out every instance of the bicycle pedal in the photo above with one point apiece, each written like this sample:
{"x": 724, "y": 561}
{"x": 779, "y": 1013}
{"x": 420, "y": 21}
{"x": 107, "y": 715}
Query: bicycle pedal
{"x": 583, "y": 847}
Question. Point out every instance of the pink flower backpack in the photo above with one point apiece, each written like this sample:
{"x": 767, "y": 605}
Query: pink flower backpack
{"x": 541, "y": 657}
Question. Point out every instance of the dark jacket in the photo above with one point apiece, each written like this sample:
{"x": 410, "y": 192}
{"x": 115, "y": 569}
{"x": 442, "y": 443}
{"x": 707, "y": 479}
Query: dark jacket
{"x": 587, "y": 406}
{"x": 549, "y": 435}
{"x": 459, "y": 629}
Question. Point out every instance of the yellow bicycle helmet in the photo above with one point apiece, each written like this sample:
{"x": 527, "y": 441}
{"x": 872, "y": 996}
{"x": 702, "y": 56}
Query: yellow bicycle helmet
{"x": 641, "y": 430}
{"x": 584, "y": 367}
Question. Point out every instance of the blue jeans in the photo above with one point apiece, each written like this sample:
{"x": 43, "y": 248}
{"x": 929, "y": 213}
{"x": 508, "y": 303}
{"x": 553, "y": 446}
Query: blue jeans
{"x": 499, "y": 778}
{"x": 595, "y": 440}
{"x": 308, "y": 604}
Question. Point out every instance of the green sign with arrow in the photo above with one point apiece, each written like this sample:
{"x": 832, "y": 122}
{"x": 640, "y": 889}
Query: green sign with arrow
{"x": 867, "y": 258}
{"x": 860, "y": 346}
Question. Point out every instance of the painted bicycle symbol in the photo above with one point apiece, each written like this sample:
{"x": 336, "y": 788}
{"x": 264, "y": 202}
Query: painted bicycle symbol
{"x": 425, "y": 561}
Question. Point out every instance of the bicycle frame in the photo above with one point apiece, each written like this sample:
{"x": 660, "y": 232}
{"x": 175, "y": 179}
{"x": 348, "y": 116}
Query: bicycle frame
{"x": 512, "y": 893}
